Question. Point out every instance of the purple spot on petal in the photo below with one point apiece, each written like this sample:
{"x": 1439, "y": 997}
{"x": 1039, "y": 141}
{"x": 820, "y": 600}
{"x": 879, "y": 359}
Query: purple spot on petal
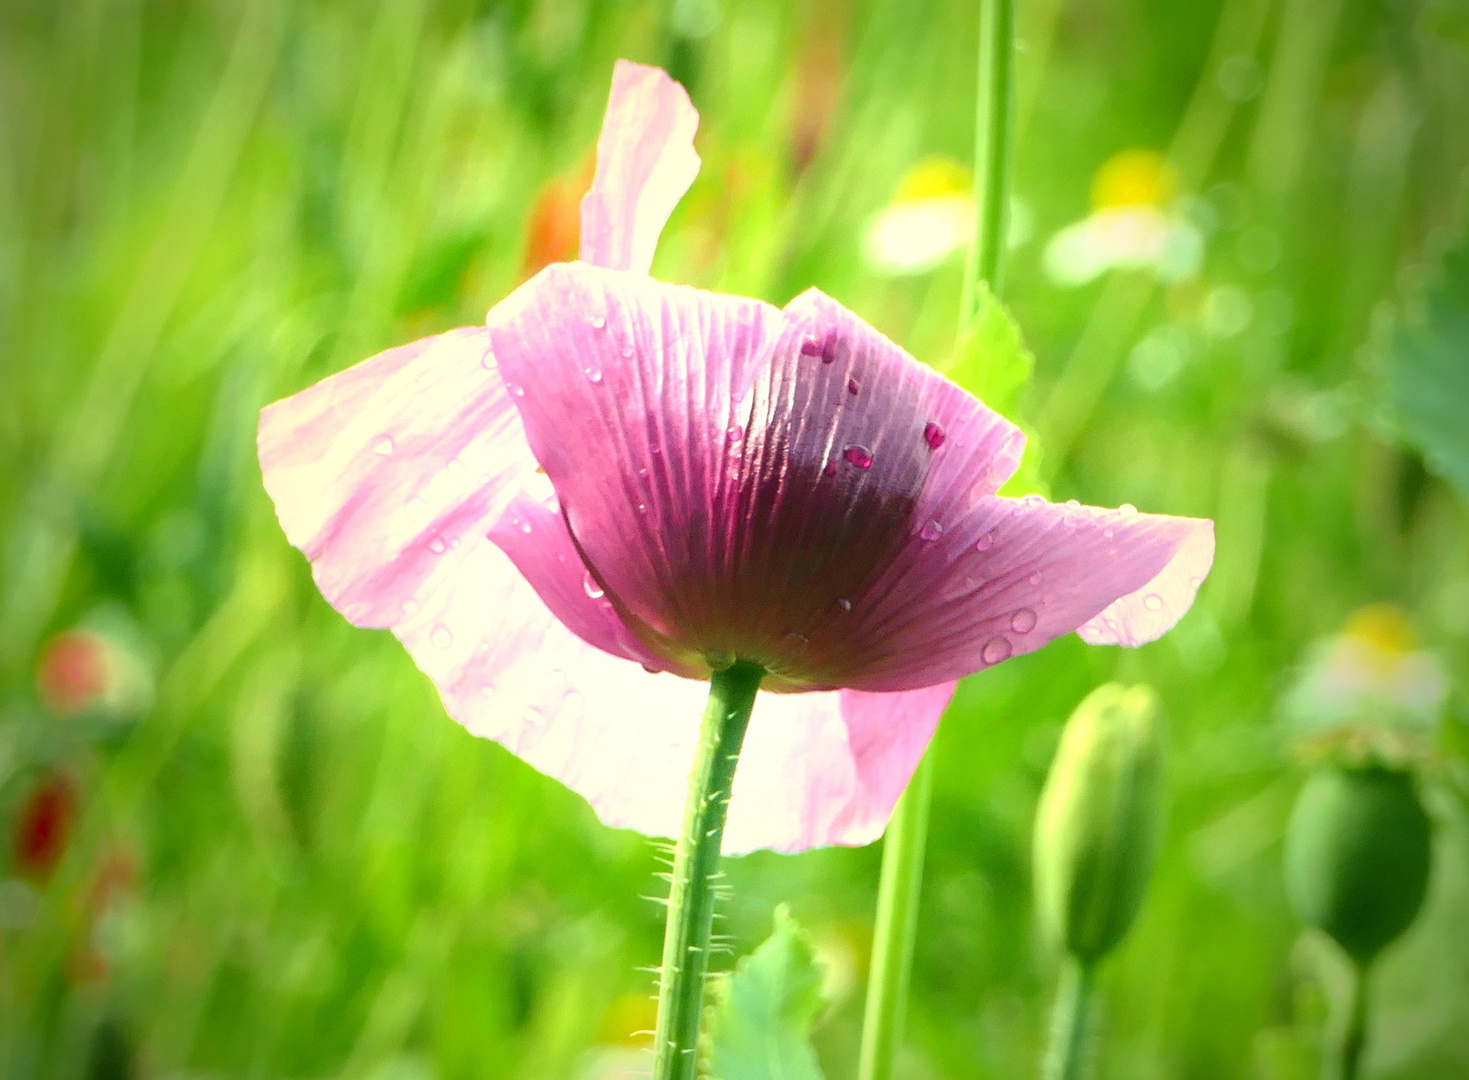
{"x": 859, "y": 456}
{"x": 996, "y": 649}
{"x": 933, "y": 435}
{"x": 853, "y": 386}
{"x": 830, "y": 470}
{"x": 810, "y": 346}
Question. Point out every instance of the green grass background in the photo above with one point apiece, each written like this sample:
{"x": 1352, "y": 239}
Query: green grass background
{"x": 208, "y": 205}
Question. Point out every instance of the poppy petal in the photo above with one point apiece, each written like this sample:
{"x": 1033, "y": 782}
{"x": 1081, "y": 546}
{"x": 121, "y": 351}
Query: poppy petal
{"x": 645, "y": 163}
{"x": 990, "y": 578}
{"x": 733, "y": 475}
{"x": 386, "y": 474}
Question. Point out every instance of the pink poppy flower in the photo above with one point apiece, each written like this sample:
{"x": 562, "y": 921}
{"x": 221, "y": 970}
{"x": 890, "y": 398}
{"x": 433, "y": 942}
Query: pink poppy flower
{"x": 616, "y": 474}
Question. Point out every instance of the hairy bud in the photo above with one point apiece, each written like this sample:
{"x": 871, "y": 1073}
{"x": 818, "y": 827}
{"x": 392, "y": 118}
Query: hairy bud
{"x": 1096, "y": 830}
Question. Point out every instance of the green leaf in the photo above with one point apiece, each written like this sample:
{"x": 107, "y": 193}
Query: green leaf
{"x": 990, "y": 359}
{"x": 1428, "y": 371}
{"x": 761, "y": 1014}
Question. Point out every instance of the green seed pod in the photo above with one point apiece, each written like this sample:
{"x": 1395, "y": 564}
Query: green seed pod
{"x": 1097, "y": 826}
{"x": 1357, "y": 856}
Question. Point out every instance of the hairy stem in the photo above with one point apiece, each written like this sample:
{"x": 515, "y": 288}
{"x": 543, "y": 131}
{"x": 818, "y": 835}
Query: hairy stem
{"x": 696, "y": 870}
{"x": 897, "y": 920}
{"x": 1066, "y": 1057}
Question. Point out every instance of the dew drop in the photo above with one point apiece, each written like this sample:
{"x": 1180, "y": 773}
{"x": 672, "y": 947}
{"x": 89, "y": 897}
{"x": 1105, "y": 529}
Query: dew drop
{"x": 1035, "y": 578}
{"x": 410, "y": 607}
{"x": 1127, "y": 510}
{"x": 1072, "y": 517}
{"x": 652, "y": 669}
{"x": 593, "y": 373}
{"x": 931, "y": 531}
{"x": 859, "y": 456}
{"x": 1195, "y": 581}
{"x": 1153, "y": 602}
{"x": 996, "y": 649}
{"x": 437, "y": 545}
{"x": 488, "y": 359}
{"x": 853, "y": 386}
{"x": 589, "y": 583}
{"x": 525, "y": 527}
{"x": 627, "y": 352}
{"x": 487, "y": 690}
{"x": 844, "y": 605}
{"x": 934, "y": 435}
{"x": 985, "y": 542}
{"x": 1023, "y": 621}
{"x": 1032, "y": 501}
{"x": 1107, "y": 534}
{"x": 598, "y": 321}
{"x": 384, "y": 446}
{"x": 441, "y": 637}
{"x": 516, "y": 389}
{"x": 734, "y": 433}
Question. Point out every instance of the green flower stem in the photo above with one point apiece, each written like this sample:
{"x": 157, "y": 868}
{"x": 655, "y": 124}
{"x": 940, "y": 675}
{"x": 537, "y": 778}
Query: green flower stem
{"x": 897, "y": 920}
{"x": 993, "y": 139}
{"x": 902, "y": 855}
{"x": 1066, "y": 1057}
{"x": 1348, "y": 1056}
{"x": 696, "y": 870}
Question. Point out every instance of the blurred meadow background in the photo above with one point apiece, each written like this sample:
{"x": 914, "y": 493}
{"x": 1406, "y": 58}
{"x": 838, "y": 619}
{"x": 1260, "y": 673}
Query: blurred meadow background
{"x": 242, "y": 839}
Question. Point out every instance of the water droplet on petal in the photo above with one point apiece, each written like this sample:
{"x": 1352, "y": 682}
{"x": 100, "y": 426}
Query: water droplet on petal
{"x": 487, "y": 690}
{"x": 1107, "y": 533}
{"x": 652, "y": 669}
{"x": 1127, "y": 510}
{"x": 1023, "y": 621}
{"x": 627, "y": 352}
{"x": 383, "y": 446}
{"x": 734, "y": 433}
{"x": 996, "y": 649}
{"x": 1032, "y": 501}
{"x": 1035, "y": 578}
{"x": 441, "y": 637}
{"x": 934, "y": 435}
{"x": 853, "y": 386}
{"x": 931, "y": 531}
{"x": 985, "y": 542}
{"x": 589, "y": 583}
{"x": 598, "y": 321}
{"x": 1153, "y": 602}
{"x": 525, "y": 527}
{"x": 844, "y": 605}
{"x": 859, "y": 456}
{"x": 410, "y": 607}
{"x": 516, "y": 389}
{"x": 593, "y": 373}
{"x": 1072, "y": 517}
{"x": 437, "y": 545}
{"x": 1195, "y": 581}
{"x": 488, "y": 359}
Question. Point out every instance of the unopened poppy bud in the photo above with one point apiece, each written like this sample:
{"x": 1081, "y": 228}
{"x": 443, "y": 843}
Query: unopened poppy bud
{"x": 1096, "y": 829}
{"x": 1357, "y": 856}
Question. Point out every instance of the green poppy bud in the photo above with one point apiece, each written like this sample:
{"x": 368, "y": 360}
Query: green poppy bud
{"x": 1097, "y": 826}
{"x": 1357, "y": 855}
